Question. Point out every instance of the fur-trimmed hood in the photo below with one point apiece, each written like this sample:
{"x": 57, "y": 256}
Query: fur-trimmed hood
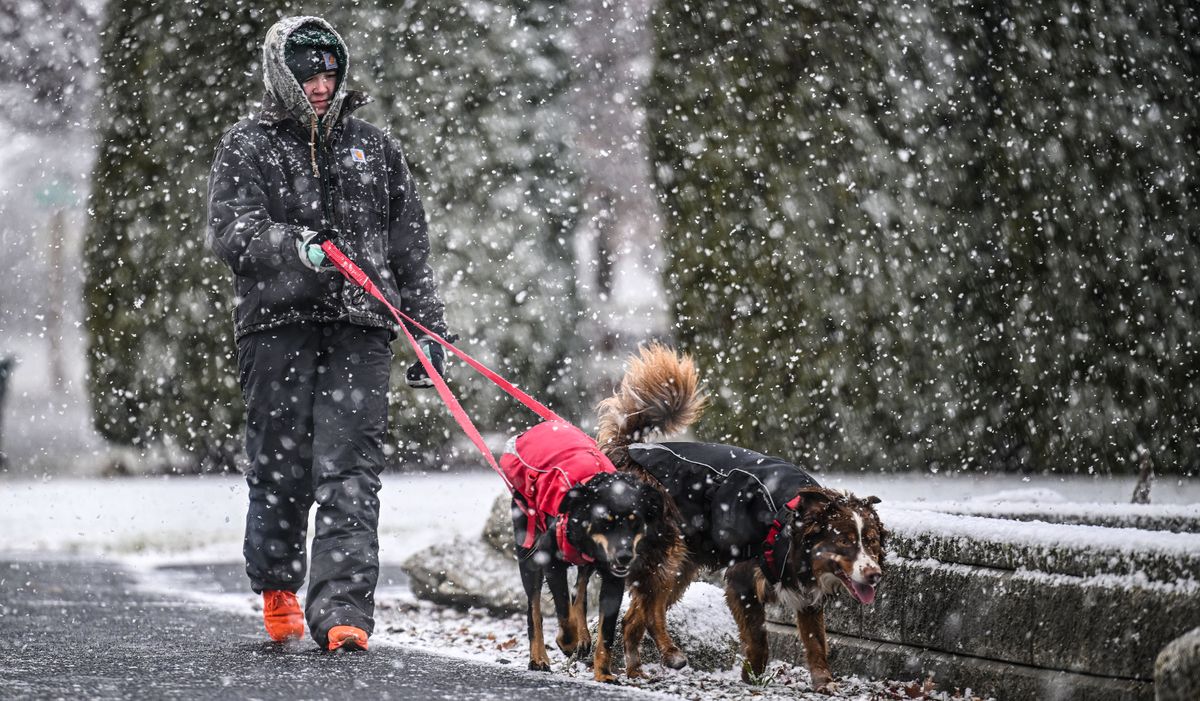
{"x": 284, "y": 96}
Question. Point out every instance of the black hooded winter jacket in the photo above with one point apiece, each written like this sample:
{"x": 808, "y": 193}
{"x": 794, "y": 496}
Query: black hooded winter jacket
{"x": 283, "y": 172}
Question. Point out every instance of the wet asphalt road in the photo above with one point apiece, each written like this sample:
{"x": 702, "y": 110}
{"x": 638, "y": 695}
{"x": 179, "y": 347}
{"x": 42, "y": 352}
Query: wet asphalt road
{"x": 82, "y": 629}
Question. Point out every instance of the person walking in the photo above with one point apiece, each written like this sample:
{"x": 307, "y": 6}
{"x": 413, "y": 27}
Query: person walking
{"x": 314, "y": 351}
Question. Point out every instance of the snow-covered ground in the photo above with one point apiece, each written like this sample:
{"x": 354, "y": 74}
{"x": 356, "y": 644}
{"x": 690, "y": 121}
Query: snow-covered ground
{"x": 149, "y": 522}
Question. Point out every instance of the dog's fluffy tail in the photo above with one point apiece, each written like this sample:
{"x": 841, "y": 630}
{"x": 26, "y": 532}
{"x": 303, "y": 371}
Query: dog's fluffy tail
{"x": 660, "y": 394}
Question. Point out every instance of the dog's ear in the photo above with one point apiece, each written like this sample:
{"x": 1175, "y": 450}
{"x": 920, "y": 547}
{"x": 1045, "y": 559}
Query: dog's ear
{"x": 813, "y": 501}
{"x": 569, "y": 499}
{"x": 809, "y": 520}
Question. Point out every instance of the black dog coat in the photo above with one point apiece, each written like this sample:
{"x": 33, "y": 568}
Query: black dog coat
{"x": 735, "y": 496}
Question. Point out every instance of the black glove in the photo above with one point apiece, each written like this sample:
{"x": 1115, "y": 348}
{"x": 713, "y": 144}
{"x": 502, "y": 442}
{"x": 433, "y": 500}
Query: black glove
{"x": 416, "y": 375}
{"x": 324, "y": 235}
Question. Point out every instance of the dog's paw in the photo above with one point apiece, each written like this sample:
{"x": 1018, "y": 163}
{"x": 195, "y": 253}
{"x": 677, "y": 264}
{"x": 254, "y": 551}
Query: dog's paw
{"x": 539, "y": 665}
{"x": 747, "y": 675}
{"x": 825, "y": 685}
{"x": 635, "y": 672}
{"x": 606, "y": 677}
{"x": 675, "y": 659}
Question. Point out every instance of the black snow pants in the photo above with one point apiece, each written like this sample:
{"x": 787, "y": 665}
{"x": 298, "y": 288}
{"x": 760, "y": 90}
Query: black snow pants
{"x": 316, "y": 419}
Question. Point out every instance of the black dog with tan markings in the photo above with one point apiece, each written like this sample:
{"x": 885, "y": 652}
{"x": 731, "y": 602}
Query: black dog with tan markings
{"x": 571, "y": 507}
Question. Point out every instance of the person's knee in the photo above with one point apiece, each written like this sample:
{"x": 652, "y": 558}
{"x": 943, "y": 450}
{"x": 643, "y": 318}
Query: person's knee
{"x": 352, "y": 493}
{"x": 284, "y": 475}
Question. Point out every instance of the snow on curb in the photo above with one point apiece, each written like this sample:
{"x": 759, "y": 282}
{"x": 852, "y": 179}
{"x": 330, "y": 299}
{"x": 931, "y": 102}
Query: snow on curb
{"x": 699, "y": 619}
{"x": 1152, "y": 517}
{"x": 1080, "y": 551}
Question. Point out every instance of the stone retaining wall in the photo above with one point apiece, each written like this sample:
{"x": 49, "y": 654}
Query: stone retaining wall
{"x": 1000, "y": 680}
{"x": 1146, "y": 517}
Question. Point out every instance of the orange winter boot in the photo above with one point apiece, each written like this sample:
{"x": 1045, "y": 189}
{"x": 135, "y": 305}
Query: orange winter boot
{"x": 282, "y": 616}
{"x": 347, "y": 638}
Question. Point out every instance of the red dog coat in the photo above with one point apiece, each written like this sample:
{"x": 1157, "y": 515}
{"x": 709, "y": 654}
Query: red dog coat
{"x": 543, "y": 464}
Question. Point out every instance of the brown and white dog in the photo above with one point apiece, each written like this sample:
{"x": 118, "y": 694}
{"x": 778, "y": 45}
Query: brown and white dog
{"x": 779, "y": 535}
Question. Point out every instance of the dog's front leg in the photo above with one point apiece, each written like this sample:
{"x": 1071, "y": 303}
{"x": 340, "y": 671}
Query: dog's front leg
{"x": 741, "y": 593}
{"x": 556, "y": 578}
{"x": 664, "y": 589}
{"x": 531, "y": 578}
{"x": 579, "y": 603}
{"x": 810, "y": 621}
{"x": 633, "y": 628}
{"x": 612, "y": 589}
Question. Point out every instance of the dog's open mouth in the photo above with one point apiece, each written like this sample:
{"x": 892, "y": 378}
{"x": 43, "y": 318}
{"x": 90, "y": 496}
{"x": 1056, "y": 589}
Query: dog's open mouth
{"x": 863, "y": 593}
{"x": 619, "y": 571}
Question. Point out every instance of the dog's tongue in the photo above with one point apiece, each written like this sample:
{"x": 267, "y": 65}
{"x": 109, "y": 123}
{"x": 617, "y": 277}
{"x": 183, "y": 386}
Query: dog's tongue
{"x": 865, "y": 593}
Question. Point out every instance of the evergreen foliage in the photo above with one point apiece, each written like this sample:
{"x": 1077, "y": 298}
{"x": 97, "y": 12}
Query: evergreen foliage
{"x": 46, "y": 79}
{"x": 162, "y": 367}
{"x": 934, "y": 236}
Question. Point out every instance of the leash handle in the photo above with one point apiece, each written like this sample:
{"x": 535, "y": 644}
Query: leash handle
{"x": 355, "y": 274}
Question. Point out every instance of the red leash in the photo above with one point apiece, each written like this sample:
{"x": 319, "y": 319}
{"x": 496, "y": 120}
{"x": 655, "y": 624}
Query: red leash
{"x": 356, "y": 275}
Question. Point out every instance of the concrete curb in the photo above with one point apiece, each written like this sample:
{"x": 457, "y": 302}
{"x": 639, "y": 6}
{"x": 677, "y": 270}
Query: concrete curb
{"x": 1112, "y": 626}
{"x": 987, "y": 678}
{"x": 1145, "y": 517}
{"x": 1079, "y": 551}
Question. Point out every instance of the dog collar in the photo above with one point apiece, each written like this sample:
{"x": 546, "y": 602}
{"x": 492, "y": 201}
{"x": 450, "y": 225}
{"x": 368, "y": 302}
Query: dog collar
{"x": 569, "y": 552}
{"x": 774, "y": 552}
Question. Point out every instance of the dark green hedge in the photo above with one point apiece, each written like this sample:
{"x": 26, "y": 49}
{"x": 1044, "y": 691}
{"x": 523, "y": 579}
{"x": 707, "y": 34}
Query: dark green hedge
{"x": 160, "y": 329}
{"x": 937, "y": 235}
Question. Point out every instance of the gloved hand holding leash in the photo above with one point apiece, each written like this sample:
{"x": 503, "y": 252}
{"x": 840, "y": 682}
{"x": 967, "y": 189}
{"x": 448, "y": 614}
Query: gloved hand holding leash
{"x": 416, "y": 376}
{"x": 308, "y": 248}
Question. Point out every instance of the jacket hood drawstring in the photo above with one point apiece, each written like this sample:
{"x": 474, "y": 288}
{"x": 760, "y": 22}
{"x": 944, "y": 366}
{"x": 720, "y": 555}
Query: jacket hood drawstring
{"x": 312, "y": 143}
